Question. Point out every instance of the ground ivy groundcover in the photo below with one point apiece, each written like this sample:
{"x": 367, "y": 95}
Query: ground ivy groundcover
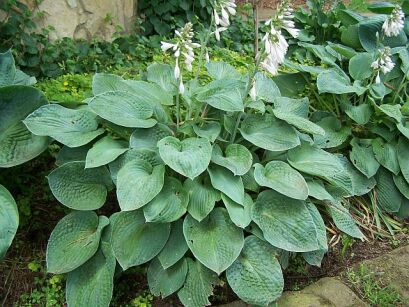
{"x": 224, "y": 177}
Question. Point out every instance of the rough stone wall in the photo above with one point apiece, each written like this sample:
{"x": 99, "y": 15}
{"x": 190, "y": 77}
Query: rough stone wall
{"x": 85, "y": 19}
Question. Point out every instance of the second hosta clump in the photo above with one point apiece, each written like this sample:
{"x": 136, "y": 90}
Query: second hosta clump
{"x": 237, "y": 184}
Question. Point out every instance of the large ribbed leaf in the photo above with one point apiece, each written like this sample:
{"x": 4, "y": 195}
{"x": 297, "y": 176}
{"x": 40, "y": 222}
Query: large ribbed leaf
{"x": 164, "y": 282}
{"x": 286, "y": 223}
{"x": 102, "y": 82}
{"x": 402, "y": 185}
{"x": 134, "y": 241}
{"x": 105, "y": 151}
{"x": 269, "y": 133}
{"x": 256, "y": 275}
{"x": 224, "y": 181}
{"x": 73, "y": 128}
{"x": 79, "y": 188}
{"x": 266, "y": 89}
{"x": 124, "y": 109}
{"x": 403, "y": 154}
{"x": 8, "y": 220}
{"x": 221, "y": 70}
{"x": 202, "y": 197}
{"x": 198, "y": 285}
{"x": 360, "y": 66}
{"x": 17, "y": 144}
{"x": 144, "y": 154}
{"x": 72, "y": 154}
{"x": 335, "y": 132}
{"x": 360, "y": 114}
{"x": 162, "y": 75}
{"x": 393, "y": 111}
{"x": 386, "y": 155}
{"x": 92, "y": 284}
{"x": 294, "y": 112}
{"x": 74, "y": 240}
{"x": 331, "y": 81}
{"x": 208, "y": 130}
{"x": 7, "y": 68}
{"x": 175, "y": 247}
{"x": 389, "y": 197}
{"x": 343, "y": 219}
{"x": 189, "y": 157}
{"x": 315, "y": 257}
{"x": 360, "y": 184}
{"x": 169, "y": 205}
{"x": 224, "y": 94}
{"x": 236, "y": 158}
{"x": 151, "y": 92}
{"x": 148, "y": 138}
{"x": 138, "y": 182}
{"x": 239, "y": 214}
{"x": 282, "y": 178}
{"x": 216, "y": 241}
{"x": 362, "y": 156}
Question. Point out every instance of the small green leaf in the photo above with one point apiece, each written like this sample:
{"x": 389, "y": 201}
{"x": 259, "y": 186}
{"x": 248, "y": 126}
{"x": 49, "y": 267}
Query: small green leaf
{"x": 74, "y": 240}
{"x": 79, "y": 188}
{"x": 189, "y": 157}
{"x": 105, "y": 151}
{"x": 134, "y": 241}
{"x": 363, "y": 158}
{"x": 164, "y": 282}
{"x": 209, "y": 130}
{"x": 138, "y": 182}
{"x": 8, "y": 220}
{"x": 331, "y": 81}
{"x": 343, "y": 219}
{"x": 237, "y": 158}
{"x": 393, "y": 111}
{"x": 224, "y": 181}
{"x": 286, "y": 223}
{"x": 256, "y": 275}
{"x": 148, "y": 138}
{"x": 282, "y": 178}
{"x": 216, "y": 241}
{"x": 175, "y": 247}
{"x": 239, "y": 214}
{"x": 386, "y": 155}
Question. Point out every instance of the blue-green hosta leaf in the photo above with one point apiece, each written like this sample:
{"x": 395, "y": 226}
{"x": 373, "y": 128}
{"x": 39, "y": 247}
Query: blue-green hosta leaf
{"x": 102, "y": 82}
{"x": 224, "y": 181}
{"x": 209, "y": 130}
{"x": 393, "y": 111}
{"x": 286, "y": 223}
{"x": 385, "y": 153}
{"x": 124, "y": 109}
{"x": 360, "y": 114}
{"x": 224, "y": 94}
{"x": 92, "y": 284}
{"x": 134, "y": 241}
{"x": 294, "y": 112}
{"x": 361, "y": 184}
{"x": 72, "y": 154}
{"x": 315, "y": 257}
{"x": 73, "y": 128}
{"x": 22, "y": 78}
{"x": 404, "y": 210}
{"x": 360, "y": 66}
{"x": 282, "y": 178}
{"x": 389, "y": 197}
{"x": 249, "y": 182}
{"x": 403, "y": 154}
{"x": 175, "y": 247}
{"x": 151, "y": 92}
{"x": 343, "y": 219}
{"x": 198, "y": 285}
{"x": 330, "y": 81}
{"x": 403, "y": 127}
{"x": 363, "y": 158}
{"x": 7, "y": 68}
{"x": 345, "y": 51}
{"x": 17, "y": 144}
{"x": 105, "y": 151}
{"x": 317, "y": 190}
{"x": 162, "y": 75}
{"x": 202, "y": 197}
{"x": 222, "y": 70}
{"x": 169, "y": 205}
{"x": 269, "y": 133}
{"x": 216, "y": 241}
{"x": 239, "y": 214}
{"x": 144, "y": 154}
{"x": 256, "y": 275}
{"x": 189, "y": 157}
{"x": 79, "y": 188}
{"x": 236, "y": 158}
{"x": 148, "y": 138}
{"x": 402, "y": 185}
{"x": 335, "y": 133}
{"x": 266, "y": 89}
{"x": 8, "y": 220}
{"x": 164, "y": 282}
{"x": 138, "y": 182}
{"x": 74, "y": 240}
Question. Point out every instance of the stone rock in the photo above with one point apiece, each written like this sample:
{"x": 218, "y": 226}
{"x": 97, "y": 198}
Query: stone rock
{"x": 300, "y": 299}
{"x": 334, "y": 291}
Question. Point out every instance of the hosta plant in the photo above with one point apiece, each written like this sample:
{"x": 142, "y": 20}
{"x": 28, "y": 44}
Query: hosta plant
{"x": 212, "y": 179}
{"x": 17, "y": 144}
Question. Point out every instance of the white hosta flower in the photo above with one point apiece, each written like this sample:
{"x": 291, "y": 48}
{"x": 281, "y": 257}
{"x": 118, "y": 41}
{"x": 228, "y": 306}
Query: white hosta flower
{"x": 207, "y": 57}
{"x": 181, "y": 87}
{"x": 218, "y": 31}
{"x": 222, "y": 11}
{"x": 275, "y": 47}
{"x": 177, "y": 70}
{"x": 383, "y": 63}
{"x": 166, "y": 46}
{"x": 253, "y": 93}
{"x": 394, "y": 23}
